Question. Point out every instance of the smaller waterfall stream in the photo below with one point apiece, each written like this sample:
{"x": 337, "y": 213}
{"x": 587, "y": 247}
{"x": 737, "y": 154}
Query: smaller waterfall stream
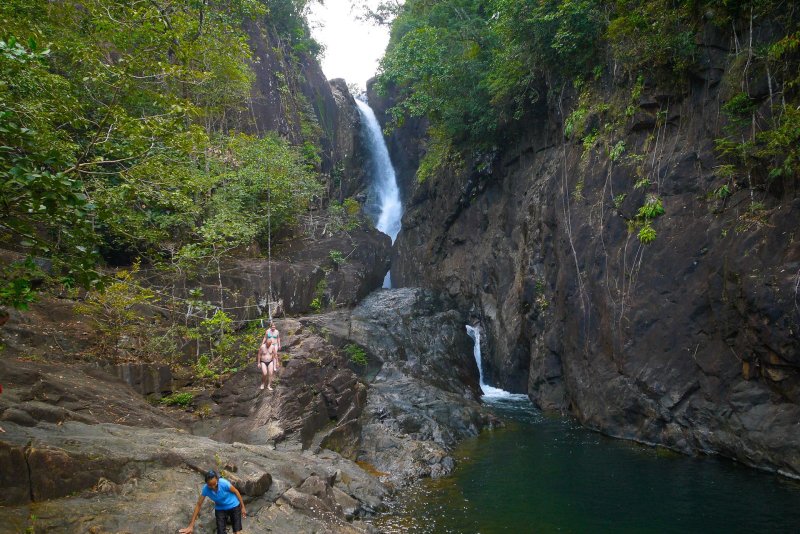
{"x": 489, "y": 392}
{"x": 384, "y": 181}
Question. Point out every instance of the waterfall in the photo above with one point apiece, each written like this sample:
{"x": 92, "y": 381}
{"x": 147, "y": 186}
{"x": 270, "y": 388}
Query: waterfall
{"x": 488, "y": 391}
{"x": 384, "y": 182}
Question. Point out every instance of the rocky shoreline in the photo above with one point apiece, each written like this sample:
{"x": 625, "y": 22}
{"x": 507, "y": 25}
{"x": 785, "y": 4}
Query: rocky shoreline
{"x": 83, "y": 452}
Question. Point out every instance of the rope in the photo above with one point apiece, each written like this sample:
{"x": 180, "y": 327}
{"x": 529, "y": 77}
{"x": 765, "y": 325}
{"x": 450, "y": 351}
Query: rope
{"x": 269, "y": 242}
{"x": 192, "y": 301}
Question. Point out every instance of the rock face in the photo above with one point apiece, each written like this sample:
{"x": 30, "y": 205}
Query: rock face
{"x": 367, "y": 399}
{"x": 348, "y": 173}
{"x": 401, "y": 413}
{"x": 316, "y": 392}
{"x": 292, "y": 97}
{"x": 50, "y": 391}
{"x": 423, "y": 399}
{"x": 692, "y": 341}
{"x": 302, "y": 270}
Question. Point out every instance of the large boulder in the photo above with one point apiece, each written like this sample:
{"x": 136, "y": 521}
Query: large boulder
{"x": 423, "y": 381}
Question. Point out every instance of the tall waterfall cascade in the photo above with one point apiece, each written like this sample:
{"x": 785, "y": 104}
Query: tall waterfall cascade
{"x": 489, "y": 392}
{"x": 384, "y": 182}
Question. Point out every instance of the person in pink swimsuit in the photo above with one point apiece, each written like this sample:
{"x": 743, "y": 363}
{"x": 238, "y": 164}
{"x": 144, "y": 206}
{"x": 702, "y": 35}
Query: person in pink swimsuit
{"x": 268, "y": 361}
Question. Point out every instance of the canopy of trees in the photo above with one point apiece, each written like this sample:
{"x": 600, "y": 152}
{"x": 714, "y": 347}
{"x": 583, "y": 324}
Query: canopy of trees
{"x": 119, "y": 127}
{"x": 474, "y": 67}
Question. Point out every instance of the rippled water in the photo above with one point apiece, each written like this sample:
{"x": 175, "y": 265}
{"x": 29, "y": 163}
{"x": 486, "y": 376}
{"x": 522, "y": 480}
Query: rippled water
{"x": 544, "y": 474}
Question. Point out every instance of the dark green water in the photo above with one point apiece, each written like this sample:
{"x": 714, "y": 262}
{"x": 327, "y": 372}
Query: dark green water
{"x": 550, "y": 475}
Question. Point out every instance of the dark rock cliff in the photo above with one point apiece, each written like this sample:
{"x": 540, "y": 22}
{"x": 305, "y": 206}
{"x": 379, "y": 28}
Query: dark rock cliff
{"x": 692, "y": 341}
{"x": 292, "y": 97}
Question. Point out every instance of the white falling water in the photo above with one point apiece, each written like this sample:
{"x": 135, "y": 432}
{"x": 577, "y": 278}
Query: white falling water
{"x": 489, "y": 392}
{"x": 384, "y": 184}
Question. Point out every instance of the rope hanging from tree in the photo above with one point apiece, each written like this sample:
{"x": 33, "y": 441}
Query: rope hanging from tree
{"x": 269, "y": 244}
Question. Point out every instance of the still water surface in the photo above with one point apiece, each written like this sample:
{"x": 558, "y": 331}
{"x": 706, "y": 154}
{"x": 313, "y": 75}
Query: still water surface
{"x": 543, "y": 474}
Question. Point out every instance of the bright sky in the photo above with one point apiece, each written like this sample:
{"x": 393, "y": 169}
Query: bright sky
{"x": 352, "y": 47}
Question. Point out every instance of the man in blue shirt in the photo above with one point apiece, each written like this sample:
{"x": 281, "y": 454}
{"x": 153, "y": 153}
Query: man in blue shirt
{"x": 228, "y": 504}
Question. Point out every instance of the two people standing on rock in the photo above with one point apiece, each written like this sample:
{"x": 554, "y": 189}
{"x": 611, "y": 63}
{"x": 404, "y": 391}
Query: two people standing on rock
{"x": 228, "y": 504}
{"x": 268, "y": 361}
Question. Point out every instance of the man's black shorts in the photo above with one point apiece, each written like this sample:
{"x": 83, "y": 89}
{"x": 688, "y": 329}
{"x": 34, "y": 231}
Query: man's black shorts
{"x": 234, "y": 515}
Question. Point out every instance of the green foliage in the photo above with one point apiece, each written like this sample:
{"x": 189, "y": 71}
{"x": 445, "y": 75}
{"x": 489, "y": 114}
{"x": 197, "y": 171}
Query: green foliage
{"x": 337, "y": 257}
{"x": 645, "y": 36}
{"x": 178, "y": 399}
{"x": 770, "y": 152}
{"x": 117, "y": 311}
{"x": 356, "y": 354}
{"x": 647, "y": 233}
{"x": 345, "y": 216}
{"x": 120, "y": 133}
{"x": 475, "y": 67}
{"x": 16, "y": 283}
{"x": 351, "y": 207}
{"x": 653, "y": 207}
{"x": 616, "y": 152}
{"x": 722, "y": 192}
{"x": 437, "y": 62}
{"x": 439, "y": 154}
{"x": 319, "y": 296}
{"x": 556, "y": 37}
{"x": 203, "y": 367}
{"x": 739, "y": 108}
{"x": 267, "y": 178}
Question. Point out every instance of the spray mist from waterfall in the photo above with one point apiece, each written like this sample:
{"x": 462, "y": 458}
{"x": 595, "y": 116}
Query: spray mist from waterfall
{"x": 489, "y": 392}
{"x": 384, "y": 182}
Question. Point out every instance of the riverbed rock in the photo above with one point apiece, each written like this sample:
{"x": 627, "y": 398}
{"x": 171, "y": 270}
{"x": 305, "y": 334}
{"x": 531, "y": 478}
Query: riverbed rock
{"x": 401, "y": 413}
{"x": 116, "y": 478}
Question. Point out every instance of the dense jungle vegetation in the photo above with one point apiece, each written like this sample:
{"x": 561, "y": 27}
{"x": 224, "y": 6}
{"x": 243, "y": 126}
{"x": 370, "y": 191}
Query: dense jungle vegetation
{"x": 125, "y": 131}
{"x": 476, "y": 68}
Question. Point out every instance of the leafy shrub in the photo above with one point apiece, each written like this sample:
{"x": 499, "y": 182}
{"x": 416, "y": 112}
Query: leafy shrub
{"x": 652, "y": 208}
{"x": 178, "y": 399}
{"x": 646, "y": 36}
{"x": 647, "y": 234}
{"x": 203, "y": 367}
{"x": 337, "y": 257}
{"x": 356, "y": 354}
{"x": 117, "y": 310}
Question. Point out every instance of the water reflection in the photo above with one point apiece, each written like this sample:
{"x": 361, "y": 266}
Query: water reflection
{"x": 541, "y": 474}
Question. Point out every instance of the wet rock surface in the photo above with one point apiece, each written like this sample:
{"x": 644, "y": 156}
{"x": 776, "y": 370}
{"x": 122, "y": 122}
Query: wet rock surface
{"x": 422, "y": 378}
